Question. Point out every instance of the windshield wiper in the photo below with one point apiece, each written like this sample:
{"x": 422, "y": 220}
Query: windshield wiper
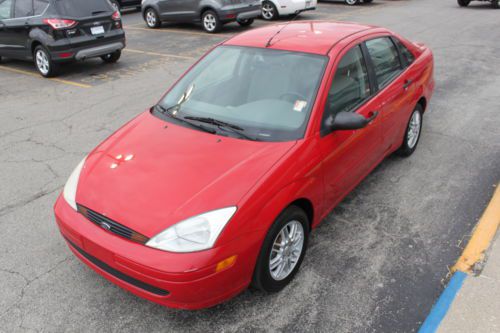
{"x": 222, "y": 124}
{"x": 168, "y": 112}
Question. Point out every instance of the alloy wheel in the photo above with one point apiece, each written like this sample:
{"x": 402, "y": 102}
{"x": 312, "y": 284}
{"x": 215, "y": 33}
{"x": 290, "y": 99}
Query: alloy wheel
{"x": 42, "y": 62}
{"x": 151, "y": 18}
{"x": 267, "y": 11}
{"x": 414, "y": 129}
{"x": 210, "y": 22}
{"x": 286, "y": 250}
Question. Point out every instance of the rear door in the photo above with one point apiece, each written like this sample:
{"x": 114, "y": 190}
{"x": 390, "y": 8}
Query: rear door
{"x": 16, "y": 29}
{"x": 178, "y": 10}
{"x": 394, "y": 88}
{"x": 6, "y": 11}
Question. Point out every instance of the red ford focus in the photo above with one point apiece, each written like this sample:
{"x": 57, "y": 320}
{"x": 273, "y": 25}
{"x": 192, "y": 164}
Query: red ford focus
{"x": 218, "y": 185}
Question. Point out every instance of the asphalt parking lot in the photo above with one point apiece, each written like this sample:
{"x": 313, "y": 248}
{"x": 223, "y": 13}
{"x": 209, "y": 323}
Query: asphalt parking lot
{"x": 377, "y": 263}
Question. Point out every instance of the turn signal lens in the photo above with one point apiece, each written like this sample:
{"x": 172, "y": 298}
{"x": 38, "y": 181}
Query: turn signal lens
{"x": 225, "y": 264}
{"x": 58, "y": 24}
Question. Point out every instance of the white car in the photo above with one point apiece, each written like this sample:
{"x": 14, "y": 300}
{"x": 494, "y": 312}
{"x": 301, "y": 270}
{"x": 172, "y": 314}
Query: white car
{"x": 272, "y": 9}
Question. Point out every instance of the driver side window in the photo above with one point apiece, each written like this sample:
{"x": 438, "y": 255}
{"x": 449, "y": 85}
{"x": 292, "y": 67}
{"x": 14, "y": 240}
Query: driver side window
{"x": 5, "y": 9}
{"x": 350, "y": 86}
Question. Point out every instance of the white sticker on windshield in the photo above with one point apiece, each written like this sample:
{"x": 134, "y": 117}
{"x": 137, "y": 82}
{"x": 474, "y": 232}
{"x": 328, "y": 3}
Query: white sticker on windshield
{"x": 299, "y": 105}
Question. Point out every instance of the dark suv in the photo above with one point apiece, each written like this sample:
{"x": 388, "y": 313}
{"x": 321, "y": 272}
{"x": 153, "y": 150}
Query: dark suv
{"x": 51, "y": 32}
{"x": 213, "y": 14}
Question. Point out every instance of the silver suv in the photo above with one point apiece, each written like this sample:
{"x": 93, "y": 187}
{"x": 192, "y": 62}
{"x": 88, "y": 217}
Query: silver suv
{"x": 213, "y": 14}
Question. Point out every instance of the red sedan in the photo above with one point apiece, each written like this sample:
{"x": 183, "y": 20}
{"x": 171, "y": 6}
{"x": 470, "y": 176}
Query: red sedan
{"x": 218, "y": 185}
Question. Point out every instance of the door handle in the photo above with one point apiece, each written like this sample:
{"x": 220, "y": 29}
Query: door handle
{"x": 407, "y": 84}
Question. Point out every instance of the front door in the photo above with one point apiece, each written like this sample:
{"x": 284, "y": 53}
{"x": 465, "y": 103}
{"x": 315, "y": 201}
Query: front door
{"x": 349, "y": 155}
{"x": 177, "y": 10}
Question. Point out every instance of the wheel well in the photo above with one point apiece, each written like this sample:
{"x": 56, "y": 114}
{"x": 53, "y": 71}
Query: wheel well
{"x": 423, "y": 103}
{"x": 204, "y": 9}
{"x": 34, "y": 45}
{"x": 307, "y": 206}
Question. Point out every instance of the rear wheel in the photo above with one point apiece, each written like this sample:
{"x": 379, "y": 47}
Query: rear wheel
{"x": 352, "y": 2}
{"x": 463, "y": 3}
{"x": 210, "y": 21}
{"x": 412, "y": 133}
{"x": 282, "y": 251}
{"x": 494, "y": 4}
{"x": 152, "y": 19}
{"x": 269, "y": 11}
{"x": 112, "y": 57}
{"x": 245, "y": 23}
{"x": 43, "y": 62}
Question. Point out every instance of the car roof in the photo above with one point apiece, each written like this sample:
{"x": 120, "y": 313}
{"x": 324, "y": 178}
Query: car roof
{"x": 301, "y": 36}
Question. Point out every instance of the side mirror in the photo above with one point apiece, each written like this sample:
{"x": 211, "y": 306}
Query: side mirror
{"x": 349, "y": 121}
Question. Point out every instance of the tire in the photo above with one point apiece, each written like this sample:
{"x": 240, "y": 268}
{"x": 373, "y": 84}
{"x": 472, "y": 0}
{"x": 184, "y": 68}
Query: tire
{"x": 412, "y": 133}
{"x": 245, "y": 23}
{"x": 112, "y": 57}
{"x": 463, "y": 3}
{"x": 211, "y": 22}
{"x": 494, "y": 4}
{"x": 269, "y": 11}
{"x": 43, "y": 62}
{"x": 352, "y": 2}
{"x": 152, "y": 18}
{"x": 267, "y": 279}
{"x": 115, "y": 4}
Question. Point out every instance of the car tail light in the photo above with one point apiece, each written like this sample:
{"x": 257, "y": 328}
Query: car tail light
{"x": 58, "y": 24}
{"x": 116, "y": 16}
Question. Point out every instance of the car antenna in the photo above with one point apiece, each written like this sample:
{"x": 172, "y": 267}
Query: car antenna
{"x": 282, "y": 28}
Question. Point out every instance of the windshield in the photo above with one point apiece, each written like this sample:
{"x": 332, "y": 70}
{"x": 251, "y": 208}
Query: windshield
{"x": 267, "y": 93}
{"x": 82, "y": 8}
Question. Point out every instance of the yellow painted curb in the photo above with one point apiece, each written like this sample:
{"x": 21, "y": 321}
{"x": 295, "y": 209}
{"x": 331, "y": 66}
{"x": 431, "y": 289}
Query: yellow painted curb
{"x": 481, "y": 237}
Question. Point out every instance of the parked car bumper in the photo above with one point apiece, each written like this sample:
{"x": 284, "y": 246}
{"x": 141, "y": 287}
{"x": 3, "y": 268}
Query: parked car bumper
{"x": 239, "y": 12}
{"x": 178, "y": 280}
{"x": 84, "y": 48}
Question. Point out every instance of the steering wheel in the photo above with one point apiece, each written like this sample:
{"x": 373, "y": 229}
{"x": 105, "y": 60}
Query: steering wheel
{"x": 292, "y": 97}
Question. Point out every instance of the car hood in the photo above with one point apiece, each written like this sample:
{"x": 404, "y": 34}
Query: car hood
{"x": 152, "y": 174}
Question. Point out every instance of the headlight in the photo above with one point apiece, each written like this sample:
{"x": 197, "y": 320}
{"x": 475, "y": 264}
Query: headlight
{"x": 69, "y": 192}
{"x": 194, "y": 234}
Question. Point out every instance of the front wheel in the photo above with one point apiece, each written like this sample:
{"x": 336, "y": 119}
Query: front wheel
{"x": 463, "y": 3}
{"x": 352, "y": 2}
{"x": 43, "y": 62}
{"x": 112, "y": 57}
{"x": 412, "y": 133}
{"x": 211, "y": 22}
{"x": 282, "y": 251}
{"x": 245, "y": 23}
{"x": 152, "y": 19}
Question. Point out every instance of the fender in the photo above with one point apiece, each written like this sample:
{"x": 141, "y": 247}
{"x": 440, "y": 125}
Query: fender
{"x": 207, "y": 5}
{"x": 37, "y": 35}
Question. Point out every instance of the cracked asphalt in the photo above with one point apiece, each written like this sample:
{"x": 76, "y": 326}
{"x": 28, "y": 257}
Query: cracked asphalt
{"x": 376, "y": 264}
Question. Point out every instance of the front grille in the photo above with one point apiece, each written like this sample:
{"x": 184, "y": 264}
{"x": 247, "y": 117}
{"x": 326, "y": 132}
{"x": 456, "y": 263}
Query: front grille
{"x": 112, "y": 226}
{"x": 116, "y": 273}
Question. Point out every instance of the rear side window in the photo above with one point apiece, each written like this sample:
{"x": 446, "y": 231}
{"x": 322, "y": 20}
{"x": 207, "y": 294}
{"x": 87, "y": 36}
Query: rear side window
{"x": 385, "y": 58}
{"x": 40, "y": 6}
{"x": 23, "y": 8}
{"x": 5, "y": 9}
{"x": 408, "y": 57}
{"x": 82, "y": 8}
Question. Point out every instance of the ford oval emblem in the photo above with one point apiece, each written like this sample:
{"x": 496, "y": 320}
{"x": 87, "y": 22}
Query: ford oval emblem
{"x": 105, "y": 226}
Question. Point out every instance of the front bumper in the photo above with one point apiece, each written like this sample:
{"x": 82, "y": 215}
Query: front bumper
{"x": 178, "y": 280}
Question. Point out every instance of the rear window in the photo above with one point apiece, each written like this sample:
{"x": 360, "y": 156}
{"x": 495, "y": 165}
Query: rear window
{"x": 82, "y": 8}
